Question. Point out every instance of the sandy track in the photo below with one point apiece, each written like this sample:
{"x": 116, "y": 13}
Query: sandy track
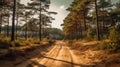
{"x": 59, "y": 56}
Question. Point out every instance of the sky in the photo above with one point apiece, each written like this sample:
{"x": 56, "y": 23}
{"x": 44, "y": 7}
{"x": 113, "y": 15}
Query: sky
{"x": 59, "y": 6}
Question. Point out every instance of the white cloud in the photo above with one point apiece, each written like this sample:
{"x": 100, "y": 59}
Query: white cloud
{"x": 59, "y": 17}
{"x": 62, "y": 7}
{"x": 25, "y": 1}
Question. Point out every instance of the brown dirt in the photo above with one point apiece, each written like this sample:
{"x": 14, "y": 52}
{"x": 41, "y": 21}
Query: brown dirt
{"x": 60, "y": 55}
{"x": 96, "y": 58}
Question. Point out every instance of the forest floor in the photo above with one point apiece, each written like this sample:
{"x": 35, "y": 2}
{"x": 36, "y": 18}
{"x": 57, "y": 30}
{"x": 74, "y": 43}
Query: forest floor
{"x": 63, "y": 54}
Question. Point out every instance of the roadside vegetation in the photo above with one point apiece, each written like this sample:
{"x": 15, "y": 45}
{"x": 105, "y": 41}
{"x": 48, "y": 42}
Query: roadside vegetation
{"x": 24, "y": 31}
{"x": 94, "y": 20}
{"x": 92, "y": 31}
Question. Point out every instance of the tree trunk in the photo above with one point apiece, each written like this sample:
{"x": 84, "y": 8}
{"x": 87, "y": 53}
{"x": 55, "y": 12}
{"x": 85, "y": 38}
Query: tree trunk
{"x": 76, "y": 30}
{"x": 84, "y": 20}
{"x": 85, "y": 28}
{"x": 13, "y": 22}
{"x": 17, "y": 26}
{"x": 40, "y": 26}
{"x": 1, "y": 24}
{"x": 8, "y": 27}
{"x": 26, "y": 30}
{"x": 97, "y": 24}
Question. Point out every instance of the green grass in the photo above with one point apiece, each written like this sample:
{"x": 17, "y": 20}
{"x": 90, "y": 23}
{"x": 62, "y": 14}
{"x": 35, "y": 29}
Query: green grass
{"x": 109, "y": 47}
{"x": 5, "y": 43}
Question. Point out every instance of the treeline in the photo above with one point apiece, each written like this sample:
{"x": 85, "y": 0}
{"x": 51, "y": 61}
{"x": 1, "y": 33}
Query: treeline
{"x": 93, "y": 20}
{"x": 34, "y": 18}
{"x": 56, "y": 34}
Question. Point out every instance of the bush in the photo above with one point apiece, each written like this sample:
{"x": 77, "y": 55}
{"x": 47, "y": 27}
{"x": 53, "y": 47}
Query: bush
{"x": 112, "y": 47}
{"x": 114, "y": 36}
{"x": 71, "y": 41}
{"x": 20, "y": 42}
{"x": 17, "y": 44}
{"x": 4, "y": 43}
{"x": 109, "y": 47}
{"x": 27, "y": 43}
{"x": 90, "y": 33}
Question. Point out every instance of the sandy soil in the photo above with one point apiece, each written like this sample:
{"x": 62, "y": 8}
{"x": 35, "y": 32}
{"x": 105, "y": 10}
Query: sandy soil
{"x": 59, "y": 55}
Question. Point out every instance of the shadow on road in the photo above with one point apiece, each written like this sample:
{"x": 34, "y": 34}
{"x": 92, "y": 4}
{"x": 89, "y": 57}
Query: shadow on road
{"x": 73, "y": 64}
{"x": 34, "y": 63}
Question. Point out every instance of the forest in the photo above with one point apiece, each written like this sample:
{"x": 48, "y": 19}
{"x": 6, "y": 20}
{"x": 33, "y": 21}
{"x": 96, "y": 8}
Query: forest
{"x": 90, "y": 34}
{"x": 93, "y": 20}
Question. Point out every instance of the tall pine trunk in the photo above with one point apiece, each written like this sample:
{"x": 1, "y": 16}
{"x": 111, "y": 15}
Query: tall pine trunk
{"x": 1, "y": 24}
{"x": 40, "y": 26}
{"x": 97, "y": 24}
{"x": 16, "y": 26}
{"x": 13, "y": 22}
{"x": 26, "y": 30}
{"x": 8, "y": 26}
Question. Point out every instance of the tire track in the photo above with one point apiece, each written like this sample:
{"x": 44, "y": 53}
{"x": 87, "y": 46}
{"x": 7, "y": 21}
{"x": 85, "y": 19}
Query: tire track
{"x": 72, "y": 65}
{"x": 52, "y": 57}
{"x": 28, "y": 62}
{"x": 46, "y": 60}
{"x": 64, "y": 59}
{"x": 38, "y": 61}
{"x": 59, "y": 56}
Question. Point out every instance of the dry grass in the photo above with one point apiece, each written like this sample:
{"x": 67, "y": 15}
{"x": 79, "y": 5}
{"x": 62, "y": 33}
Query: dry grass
{"x": 99, "y": 58}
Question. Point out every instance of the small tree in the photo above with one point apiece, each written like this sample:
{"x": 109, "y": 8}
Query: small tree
{"x": 90, "y": 33}
{"x": 114, "y": 35}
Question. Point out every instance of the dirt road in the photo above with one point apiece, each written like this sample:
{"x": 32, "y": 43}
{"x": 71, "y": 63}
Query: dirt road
{"x": 59, "y": 56}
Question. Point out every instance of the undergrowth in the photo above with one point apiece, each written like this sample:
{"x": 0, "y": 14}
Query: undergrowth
{"x": 5, "y": 43}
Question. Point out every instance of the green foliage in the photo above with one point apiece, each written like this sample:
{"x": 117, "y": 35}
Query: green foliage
{"x": 90, "y": 33}
{"x": 71, "y": 42}
{"x": 17, "y": 43}
{"x": 20, "y": 42}
{"x": 33, "y": 40}
{"x": 118, "y": 28}
{"x": 109, "y": 47}
{"x": 4, "y": 43}
{"x": 113, "y": 45}
{"x": 114, "y": 35}
{"x": 55, "y": 32}
{"x": 47, "y": 40}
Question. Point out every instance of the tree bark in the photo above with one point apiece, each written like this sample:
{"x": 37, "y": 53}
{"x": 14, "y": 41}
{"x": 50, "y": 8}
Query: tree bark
{"x": 17, "y": 26}
{"x": 26, "y": 30}
{"x": 97, "y": 24}
{"x": 8, "y": 27}
{"x": 40, "y": 26}
{"x": 1, "y": 24}
{"x": 13, "y": 22}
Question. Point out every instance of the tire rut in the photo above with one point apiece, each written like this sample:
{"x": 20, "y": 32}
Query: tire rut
{"x": 28, "y": 62}
{"x": 64, "y": 59}
{"x": 45, "y": 59}
{"x": 55, "y": 54}
{"x": 59, "y": 56}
